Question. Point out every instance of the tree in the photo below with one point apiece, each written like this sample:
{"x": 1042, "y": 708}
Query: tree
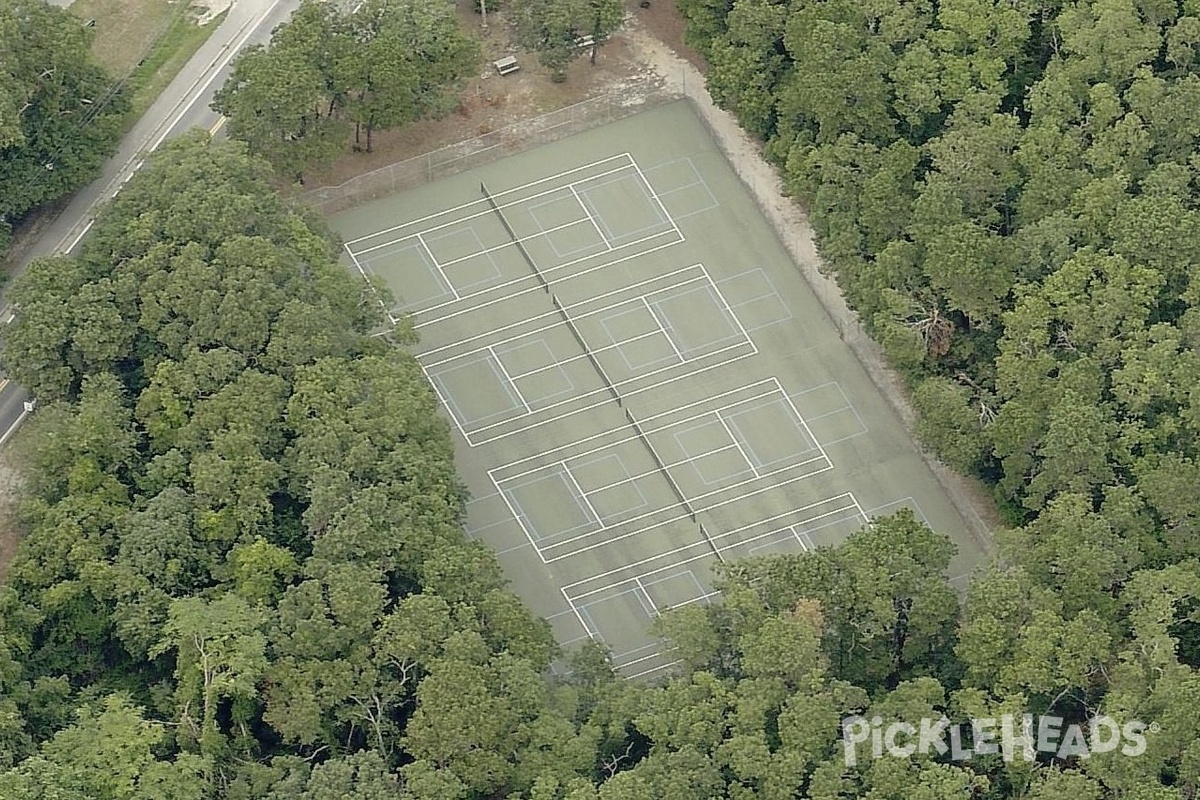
{"x": 553, "y": 28}
{"x": 363, "y": 775}
{"x": 108, "y": 754}
{"x": 277, "y": 103}
{"x": 748, "y": 62}
{"x": 69, "y": 325}
{"x": 406, "y": 55}
{"x": 384, "y": 64}
{"x": 60, "y": 115}
{"x": 882, "y": 618}
{"x": 219, "y": 653}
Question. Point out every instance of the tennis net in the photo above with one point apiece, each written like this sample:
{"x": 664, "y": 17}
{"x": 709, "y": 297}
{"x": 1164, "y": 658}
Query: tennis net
{"x": 562, "y": 311}
{"x": 516, "y": 240}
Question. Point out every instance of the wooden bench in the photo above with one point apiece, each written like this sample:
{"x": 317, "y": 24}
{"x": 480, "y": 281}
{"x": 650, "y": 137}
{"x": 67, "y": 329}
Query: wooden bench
{"x": 506, "y": 65}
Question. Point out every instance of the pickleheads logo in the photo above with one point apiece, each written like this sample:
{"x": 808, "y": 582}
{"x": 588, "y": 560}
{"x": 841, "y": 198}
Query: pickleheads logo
{"x": 1009, "y": 736}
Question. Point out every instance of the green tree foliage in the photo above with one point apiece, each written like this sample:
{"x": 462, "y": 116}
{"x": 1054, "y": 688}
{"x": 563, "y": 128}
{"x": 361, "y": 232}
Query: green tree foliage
{"x": 245, "y": 574}
{"x": 60, "y": 114}
{"x": 882, "y": 619}
{"x": 387, "y": 63}
{"x": 219, "y": 519}
{"x": 553, "y": 28}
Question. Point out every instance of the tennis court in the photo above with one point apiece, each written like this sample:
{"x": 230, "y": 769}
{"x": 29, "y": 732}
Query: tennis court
{"x": 641, "y": 383}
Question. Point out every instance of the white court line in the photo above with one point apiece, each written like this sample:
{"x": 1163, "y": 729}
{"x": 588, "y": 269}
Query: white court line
{"x": 488, "y": 211}
{"x": 800, "y": 418}
{"x": 436, "y": 265}
{"x": 643, "y": 422}
{"x": 448, "y": 403}
{"x": 610, "y": 589}
{"x": 521, "y": 521}
{"x": 591, "y": 219}
{"x": 895, "y": 505}
{"x": 647, "y": 193}
{"x": 572, "y": 359}
{"x": 604, "y": 390}
{"x": 632, "y": 479}
{"x": 570, "y": 306}
{"x": 701, "y": 545}
{"x": 621, "y": 664}
{"x": 666, "y": 214}
{"x": 643, "y": 648}
{"x": 582, "y": 494}
{"x": 501, "y": 194}
{"x": 862, "y": 423}
{"x": 607, "y": 396}
{"x": 804, "y": 537}
{"x": 367, "y": 280}
{"x": 537, "y": 287}
{"x": 728, "y": 308}
{"x": 514, "y": 548}
{"x": 509, "y": 378}
{"x": 679, "y": 517}
{"x": 704, "y": 596}
{"x": 713, "y": 201}
{"x": 853, "y": 504}
{"x": 862, "y": 513}
{"x": 849, "y": 405}
{"x": 736, "y": 443}
{"x": 554, "y": 322}
{"x": 665, "y": 331}
{"x": 476, "y": 532}
{"x": 754, "y": 551}
{"x": 701, "y": 599}
{"x": 628, "y": 479}
{"x": 483, "y": 250}
{"x": 705, "y": 552}
{"x": 651, "y": 671}
{"x": 796, "y": 534}
{"x": 586, "y": 628}
{"x": 652, "y": 611}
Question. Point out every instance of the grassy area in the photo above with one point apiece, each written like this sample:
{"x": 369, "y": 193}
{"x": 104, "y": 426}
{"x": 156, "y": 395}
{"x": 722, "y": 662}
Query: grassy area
{"x": 144, "y": 42}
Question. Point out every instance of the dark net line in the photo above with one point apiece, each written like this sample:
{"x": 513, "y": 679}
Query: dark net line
{"x": 512, "y": 234}
{"x": 586, "y": 350}
{"x": 683, "y": 501}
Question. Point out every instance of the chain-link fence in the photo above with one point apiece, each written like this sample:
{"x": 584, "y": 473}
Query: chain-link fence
{"x": 489, "y": 147}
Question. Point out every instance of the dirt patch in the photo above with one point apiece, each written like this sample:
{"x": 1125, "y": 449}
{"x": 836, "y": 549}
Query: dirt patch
{"x": 663, "y": 21}
{"x": 490, "y": 102}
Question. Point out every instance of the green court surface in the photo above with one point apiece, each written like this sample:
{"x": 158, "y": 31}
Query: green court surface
{"x": 640, "y": 382}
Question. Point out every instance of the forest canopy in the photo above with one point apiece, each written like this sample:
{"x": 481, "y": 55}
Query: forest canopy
{"x": 245, "y": 573}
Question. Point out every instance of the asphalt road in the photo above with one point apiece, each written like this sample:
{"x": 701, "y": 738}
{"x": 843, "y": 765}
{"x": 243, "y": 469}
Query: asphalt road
{"x": 184, "y": 105}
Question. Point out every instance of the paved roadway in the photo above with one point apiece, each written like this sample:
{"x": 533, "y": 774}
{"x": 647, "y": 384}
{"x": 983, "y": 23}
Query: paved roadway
{"x": 182, "y": 106}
